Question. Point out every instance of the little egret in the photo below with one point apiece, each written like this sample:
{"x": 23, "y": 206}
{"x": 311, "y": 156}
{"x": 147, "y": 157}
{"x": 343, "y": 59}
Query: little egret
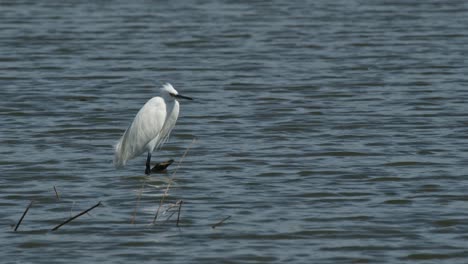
{"x": 150, "y": 127}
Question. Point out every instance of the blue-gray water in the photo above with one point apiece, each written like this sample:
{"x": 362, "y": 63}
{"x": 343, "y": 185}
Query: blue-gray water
{"x": 330, "y": 131}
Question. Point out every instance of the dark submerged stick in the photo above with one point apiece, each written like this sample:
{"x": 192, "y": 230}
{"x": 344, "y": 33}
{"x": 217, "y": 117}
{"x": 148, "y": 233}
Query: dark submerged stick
{"x": 56, "y": 194}
{"x": 178, "y": 215}
{"x": 25, "y": 212}
{"x": 220, "y": 222}
{"x": 76, "y": 216}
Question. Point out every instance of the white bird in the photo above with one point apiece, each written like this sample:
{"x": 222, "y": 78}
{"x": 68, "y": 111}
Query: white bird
{"x": 150, "y": 128}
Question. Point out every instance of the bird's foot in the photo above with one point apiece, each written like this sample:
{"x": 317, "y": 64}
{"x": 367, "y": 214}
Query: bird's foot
{"x": 161, "y": 167}
{"x": 148, "y": 170}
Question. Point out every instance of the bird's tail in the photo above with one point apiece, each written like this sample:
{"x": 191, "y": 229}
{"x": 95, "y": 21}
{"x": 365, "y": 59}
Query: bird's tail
{"x": 119, "y": 155}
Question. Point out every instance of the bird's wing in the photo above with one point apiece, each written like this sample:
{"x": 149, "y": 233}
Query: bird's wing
{"x": 145, "y": 128}
{"x": 169, "y": 124}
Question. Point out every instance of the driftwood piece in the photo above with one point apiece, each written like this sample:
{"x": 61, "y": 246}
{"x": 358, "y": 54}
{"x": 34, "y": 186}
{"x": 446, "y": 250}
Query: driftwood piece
{"x": 22, "y": 217}
{"x": 76, "y": 216}
{"x": 162, "y": 166}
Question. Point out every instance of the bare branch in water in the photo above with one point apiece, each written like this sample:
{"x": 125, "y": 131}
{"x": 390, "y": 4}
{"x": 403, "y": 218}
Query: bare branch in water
{"x": 171, "y": 179}
{"x": 178, "y": 215}
{"x": 56, "y": 194}
{"x": 22, "y": 217}
{"x": 169, "y": 217}
{"x": 172, "y": 212}
{"x": 76, "y": 216}
{"x": 220, "y": 222}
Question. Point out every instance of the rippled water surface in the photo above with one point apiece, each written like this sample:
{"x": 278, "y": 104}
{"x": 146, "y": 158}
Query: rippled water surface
{"x": 329, "y": 131}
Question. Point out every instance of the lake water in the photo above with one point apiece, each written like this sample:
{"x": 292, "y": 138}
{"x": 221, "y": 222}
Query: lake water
{"x": 329, "y": 131}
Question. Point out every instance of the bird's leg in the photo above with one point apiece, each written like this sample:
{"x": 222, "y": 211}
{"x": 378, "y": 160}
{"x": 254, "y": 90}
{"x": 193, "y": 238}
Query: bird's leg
{"x": 148, "y": 165}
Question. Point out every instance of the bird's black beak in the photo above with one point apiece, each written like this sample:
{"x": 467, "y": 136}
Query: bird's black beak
{"x": 178, "y": 96}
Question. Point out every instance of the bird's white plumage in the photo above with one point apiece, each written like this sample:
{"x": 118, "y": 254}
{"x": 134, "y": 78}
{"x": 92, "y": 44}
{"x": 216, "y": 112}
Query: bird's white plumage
{"x": 150, "y": 128}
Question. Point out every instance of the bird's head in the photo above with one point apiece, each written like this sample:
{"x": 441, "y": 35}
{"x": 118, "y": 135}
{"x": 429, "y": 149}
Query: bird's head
{"x": 168, "y": 92}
